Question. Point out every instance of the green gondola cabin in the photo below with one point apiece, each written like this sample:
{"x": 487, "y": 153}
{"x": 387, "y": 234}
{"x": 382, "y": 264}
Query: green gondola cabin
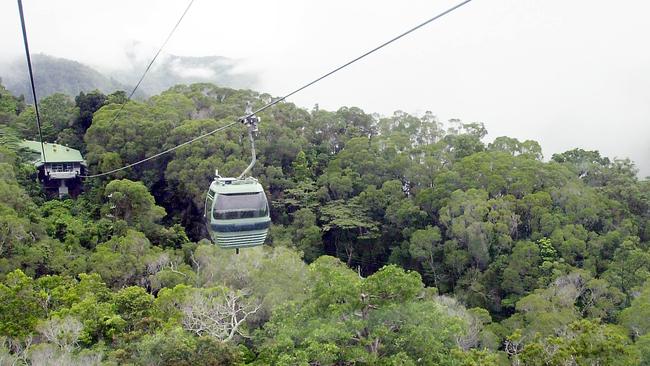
{"x": 237, "y": 213}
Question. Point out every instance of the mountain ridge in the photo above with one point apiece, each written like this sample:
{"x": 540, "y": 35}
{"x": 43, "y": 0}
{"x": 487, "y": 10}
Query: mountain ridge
{"x": 60, "y": 75}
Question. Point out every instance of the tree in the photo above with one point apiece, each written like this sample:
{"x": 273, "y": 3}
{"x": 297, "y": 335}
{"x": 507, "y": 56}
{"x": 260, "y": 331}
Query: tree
{"x": 88, "y": 103}
{"x": 10, "y": 106}
{"x": 423, "y": 246}
{"x": 643, "y": 346}
{"x": 587, "y": 343}
{"x": 63, "y": 332}
{"x": 587, "y": 165}
{"x": 20, "y": 305}
{"x": 133, "y": 304}
{"x": 515, "y": 147}
{"x": 58, "y": 112}
{"x": 131, "y": 201}
{"x": 384, "y": 318}
{"x": 122, "y": 260}
{"x": 307, "y": 235}
{"x": 280, "y": 277}
{"x": 218, "y": 313}
{"x": 347, "y": 222}
{"x": 465, "y": 218}
{"x": 177, "y": 347}
{"x": 300, "y": 167}
{"x": 521, "y": 275}
{"x": 630, "y": 267}
{"x": 636, "y": 318}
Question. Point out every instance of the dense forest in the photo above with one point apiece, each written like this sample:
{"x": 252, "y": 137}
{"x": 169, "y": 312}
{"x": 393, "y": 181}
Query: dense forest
{"x": 395, "y": 241}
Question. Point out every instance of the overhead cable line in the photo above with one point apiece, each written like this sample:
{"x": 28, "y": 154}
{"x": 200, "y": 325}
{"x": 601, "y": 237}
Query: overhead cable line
{"x": 361, "y": 56}
{"x": 31, "y": 77}
{"x": 293, "y": 92}
{"x": 162, "y": 152}
{"x": 146, "y": 70}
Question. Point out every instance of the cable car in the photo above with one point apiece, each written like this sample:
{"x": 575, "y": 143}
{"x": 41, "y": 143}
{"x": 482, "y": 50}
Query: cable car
{"x": 236, "y": 209}
{"x": 237, "y": 212}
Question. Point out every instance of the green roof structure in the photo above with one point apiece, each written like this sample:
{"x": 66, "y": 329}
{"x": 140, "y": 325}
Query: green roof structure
{"x": 54, "y": 153}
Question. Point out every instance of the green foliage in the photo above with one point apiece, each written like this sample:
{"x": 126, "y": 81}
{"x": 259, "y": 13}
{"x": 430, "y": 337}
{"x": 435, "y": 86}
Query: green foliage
{"x": 300, "y": 167}
{"x": 636, "y": 318}
{"x": 522, "y": 272}
{"x": 392, "y": 285}
{"x": 10, "y": 106}
{"x": 379, "y": 319}
{"x": 177, "y": 348}
{"x": 133, "y": 303}
{"x": 643, "y": 347}
{"x": 515, "y": 147}
{"x": 548, "y": 256}
{"x": 586, "y": 343}
{"x": 20, "y": 305}
{"x": 132, "y": 202}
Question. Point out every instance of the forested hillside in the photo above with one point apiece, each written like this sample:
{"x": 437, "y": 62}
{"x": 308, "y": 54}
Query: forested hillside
{"x": 55, "y": 75}
{"x": 59, "y": 75}
{"x": 395, "y": 241}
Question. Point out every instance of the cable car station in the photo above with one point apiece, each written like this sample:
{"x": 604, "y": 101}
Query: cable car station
{"x": 60, "y": 171}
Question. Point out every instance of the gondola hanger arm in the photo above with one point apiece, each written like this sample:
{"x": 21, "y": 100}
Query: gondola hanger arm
{"x": 251, "y": 121}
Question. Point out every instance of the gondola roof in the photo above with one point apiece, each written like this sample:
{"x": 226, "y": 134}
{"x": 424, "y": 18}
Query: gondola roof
{"x": 225, "y": 186}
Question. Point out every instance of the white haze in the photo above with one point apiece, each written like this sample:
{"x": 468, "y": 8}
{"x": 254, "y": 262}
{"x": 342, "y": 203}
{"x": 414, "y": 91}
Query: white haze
{"x": 565, "y": 73}
{"x": 188, "y": 72}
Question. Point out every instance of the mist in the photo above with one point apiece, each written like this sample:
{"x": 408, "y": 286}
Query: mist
{"x": 566, "y": 74}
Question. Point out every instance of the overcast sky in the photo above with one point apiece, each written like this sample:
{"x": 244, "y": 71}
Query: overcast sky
{"x": 566, "y": 73}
